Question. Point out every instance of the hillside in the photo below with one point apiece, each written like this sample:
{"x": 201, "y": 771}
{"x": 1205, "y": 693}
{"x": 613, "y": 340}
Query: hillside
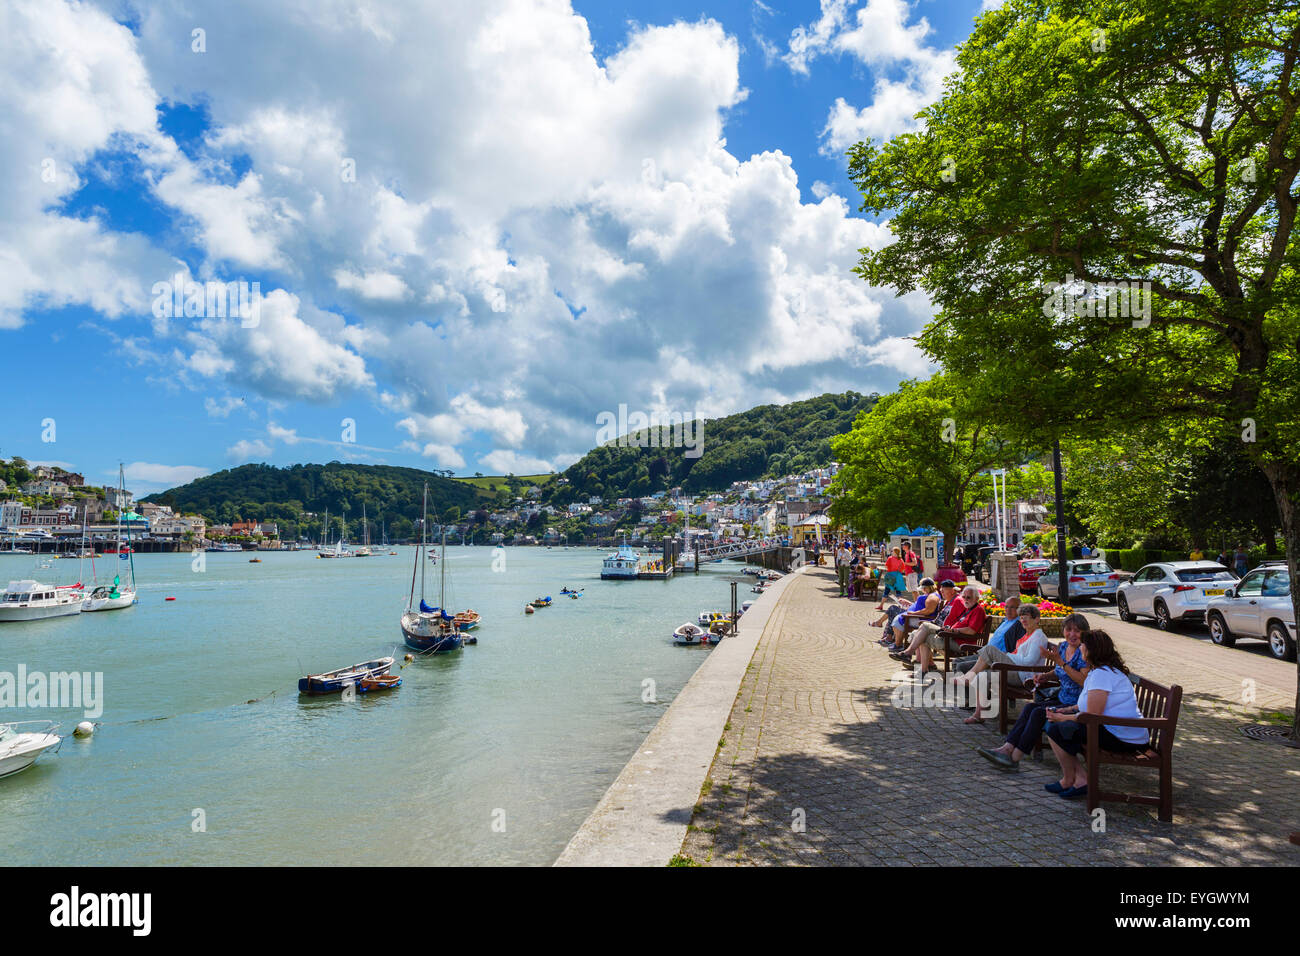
{"x": 265, "y": 492}
{"x": 490, "y": 486}
{"x": 767, "y": 441}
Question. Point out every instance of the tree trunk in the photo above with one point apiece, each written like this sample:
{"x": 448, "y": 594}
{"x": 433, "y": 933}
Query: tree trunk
{"x": 1285, "y": 479}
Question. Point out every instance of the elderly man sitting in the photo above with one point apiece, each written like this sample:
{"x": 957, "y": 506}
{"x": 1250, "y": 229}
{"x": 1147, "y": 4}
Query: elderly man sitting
{"x": 965, "y": 619}
{"x": 931, "y": 608}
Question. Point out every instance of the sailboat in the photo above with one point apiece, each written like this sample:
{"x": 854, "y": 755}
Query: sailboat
{"x": 431, "y": 630}
{"x": 114, "y": 597}
{"x": 364, "y": 550}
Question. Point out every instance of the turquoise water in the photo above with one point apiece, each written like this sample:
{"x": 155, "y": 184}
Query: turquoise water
{"x": 493, "y": 754}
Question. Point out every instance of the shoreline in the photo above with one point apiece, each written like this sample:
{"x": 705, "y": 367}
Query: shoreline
{"x": 642, "y": 818}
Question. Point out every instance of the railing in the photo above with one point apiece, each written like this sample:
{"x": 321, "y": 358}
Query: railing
{"x": 741, "y": 549}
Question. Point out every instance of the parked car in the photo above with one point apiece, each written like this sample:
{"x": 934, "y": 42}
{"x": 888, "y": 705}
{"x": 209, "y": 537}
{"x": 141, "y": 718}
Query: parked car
{"x": 1087, "y": 577}
{"x": 972, "y": 560}
{"x": 1173, "y": 591}
{"x": 1258, "y": 606}
{"x": 1030, "y": 569}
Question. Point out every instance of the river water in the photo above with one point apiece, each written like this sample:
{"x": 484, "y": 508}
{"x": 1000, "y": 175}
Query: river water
{"x": 206, "y": 754}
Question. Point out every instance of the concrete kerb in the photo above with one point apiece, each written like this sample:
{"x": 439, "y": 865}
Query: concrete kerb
{"x": 642, "y": 818}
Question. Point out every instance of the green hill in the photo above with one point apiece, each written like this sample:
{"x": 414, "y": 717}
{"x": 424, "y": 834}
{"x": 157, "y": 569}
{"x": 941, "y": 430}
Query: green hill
{"x": 265, "y": 492}
{"x": 491, "y": 486}
{"x": 767, "y": 441}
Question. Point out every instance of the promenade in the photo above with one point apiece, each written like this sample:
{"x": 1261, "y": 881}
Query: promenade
{"x": 818, "y": 767}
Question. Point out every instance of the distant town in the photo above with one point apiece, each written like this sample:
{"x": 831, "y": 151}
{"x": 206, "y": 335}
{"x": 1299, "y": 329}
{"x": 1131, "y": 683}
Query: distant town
{"x": 49, "y": 510}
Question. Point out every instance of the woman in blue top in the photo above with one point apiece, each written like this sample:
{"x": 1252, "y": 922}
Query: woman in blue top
{"x": 1107, "y": 691}
{"x": 1071, "y": 670}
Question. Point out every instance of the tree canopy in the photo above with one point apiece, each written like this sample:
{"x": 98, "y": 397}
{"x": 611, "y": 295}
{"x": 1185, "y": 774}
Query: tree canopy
{"x": 1101, "y": 206}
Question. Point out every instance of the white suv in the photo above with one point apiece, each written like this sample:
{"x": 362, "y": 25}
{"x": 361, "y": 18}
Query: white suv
{"x": 1088, "y": 577}
{"x": 1173, "y": 591}
{"x": 1259, "y": 606}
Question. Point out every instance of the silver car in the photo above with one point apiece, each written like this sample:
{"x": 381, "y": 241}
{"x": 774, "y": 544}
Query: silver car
{"x": 1173, "y": 591}
{"x": 1259, "y": 606}
{"x": 1087, "y": 577}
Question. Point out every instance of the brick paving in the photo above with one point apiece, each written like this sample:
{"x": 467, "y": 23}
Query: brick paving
{"x": 814, "y": 738}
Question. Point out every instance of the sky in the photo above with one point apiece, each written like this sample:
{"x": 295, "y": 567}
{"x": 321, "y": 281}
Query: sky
{"x": 463, "y": 229}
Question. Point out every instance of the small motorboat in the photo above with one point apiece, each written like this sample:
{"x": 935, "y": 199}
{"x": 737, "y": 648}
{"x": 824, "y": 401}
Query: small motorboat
{"x": 708, "y": 617}
{"x": 746, "y": 606}
{"x": 542, "y": 601}
{"x": 719, "y": 629}
{"x": 468, "y": 639}
{"x": 22, "y": 742}
{"x": 333, "y": 682}
{"x": 690, "y": 634}
{"x": 528, "y": 609}
{"x": 468, "y": 619}
{"x": 380, "y": 682}
{"x": 254, "y": 560}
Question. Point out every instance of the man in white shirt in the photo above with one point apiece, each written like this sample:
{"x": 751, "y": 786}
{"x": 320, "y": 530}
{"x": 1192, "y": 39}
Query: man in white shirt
{"x": 843, "y": 557}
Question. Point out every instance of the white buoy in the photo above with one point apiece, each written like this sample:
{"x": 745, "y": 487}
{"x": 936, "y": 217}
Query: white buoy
{"x": 84, "y": 729}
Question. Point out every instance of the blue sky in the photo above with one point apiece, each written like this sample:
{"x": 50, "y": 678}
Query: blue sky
{"x": 551, "y": 210}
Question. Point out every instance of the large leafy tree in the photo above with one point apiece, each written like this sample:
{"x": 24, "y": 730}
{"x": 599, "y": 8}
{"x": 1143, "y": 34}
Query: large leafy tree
{"x": 1094, "y": 143}
{"x": 919, "y": 456}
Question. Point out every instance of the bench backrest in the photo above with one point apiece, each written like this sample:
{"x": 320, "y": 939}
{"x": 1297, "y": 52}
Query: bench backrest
{"x": 1157, "y": 702}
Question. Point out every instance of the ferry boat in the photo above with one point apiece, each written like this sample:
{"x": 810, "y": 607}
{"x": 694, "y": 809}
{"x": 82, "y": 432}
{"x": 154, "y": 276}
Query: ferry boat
{"x": 29, "y": 600}
{"x": 623, "y": 564}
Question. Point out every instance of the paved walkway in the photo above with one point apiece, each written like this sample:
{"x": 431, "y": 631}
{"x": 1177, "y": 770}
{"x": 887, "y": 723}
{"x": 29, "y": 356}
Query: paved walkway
{"x": 814, "y": 739}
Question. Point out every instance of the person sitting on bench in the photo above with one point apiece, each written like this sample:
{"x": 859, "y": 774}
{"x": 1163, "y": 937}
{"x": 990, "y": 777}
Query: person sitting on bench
{"x": 1028, "y": 652}
{"x": 965, "y": 616}
{"x": 1008, "y": 633}
{"x": 928, "y": 605}
{"x": 1108, "y": 691}
{"x": 1071, "y": 669}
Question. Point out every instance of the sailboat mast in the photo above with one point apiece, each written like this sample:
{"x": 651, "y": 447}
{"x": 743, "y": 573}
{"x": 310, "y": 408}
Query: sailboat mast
{"x": 424, "y": 538}
{"x": 121, "y": 487}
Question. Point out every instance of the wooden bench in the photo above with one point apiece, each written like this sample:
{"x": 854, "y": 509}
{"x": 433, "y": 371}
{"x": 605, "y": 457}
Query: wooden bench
{"x": 1159, "y": 706}
{"x": 1009, "y": 690}
{"x": 956, "y": 646}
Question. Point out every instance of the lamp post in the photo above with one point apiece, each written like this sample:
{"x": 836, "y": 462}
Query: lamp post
{"x": 1063, "y": 578}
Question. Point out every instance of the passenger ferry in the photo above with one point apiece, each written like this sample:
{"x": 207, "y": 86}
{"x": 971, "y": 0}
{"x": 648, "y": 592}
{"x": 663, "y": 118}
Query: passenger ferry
{"x": 29, "y": 600}
{"x": 622, "y": 564}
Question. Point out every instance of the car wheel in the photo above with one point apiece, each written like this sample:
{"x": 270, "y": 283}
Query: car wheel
{"x": 1125, "y": 614}
{"x": 1163, "y": 621}
{"x": 1280, "y": 644}
{"x": 1219, "y": 632}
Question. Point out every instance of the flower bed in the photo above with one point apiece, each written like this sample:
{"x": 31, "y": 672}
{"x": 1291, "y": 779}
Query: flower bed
{"x": 1047, "y": 610}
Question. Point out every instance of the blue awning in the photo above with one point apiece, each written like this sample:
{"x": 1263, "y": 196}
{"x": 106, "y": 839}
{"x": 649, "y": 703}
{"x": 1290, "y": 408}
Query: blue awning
{"x": 901, "y": 529}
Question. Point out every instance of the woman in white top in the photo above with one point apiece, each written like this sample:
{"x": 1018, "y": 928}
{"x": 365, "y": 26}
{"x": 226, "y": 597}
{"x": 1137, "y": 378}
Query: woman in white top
{"x": 1107, "y": 691}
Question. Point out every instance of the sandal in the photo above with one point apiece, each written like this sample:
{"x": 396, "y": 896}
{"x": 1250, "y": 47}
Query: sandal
{"x": 973, "y": 719}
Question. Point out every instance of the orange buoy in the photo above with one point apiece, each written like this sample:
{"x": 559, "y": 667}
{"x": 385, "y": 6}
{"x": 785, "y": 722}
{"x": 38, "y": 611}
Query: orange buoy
{"x": 169, "y": 599}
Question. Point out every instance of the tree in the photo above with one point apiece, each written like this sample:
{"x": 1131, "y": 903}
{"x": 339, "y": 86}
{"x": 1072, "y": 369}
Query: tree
{"x": 1102, "y": 208}
{"x": 917, "y": 457}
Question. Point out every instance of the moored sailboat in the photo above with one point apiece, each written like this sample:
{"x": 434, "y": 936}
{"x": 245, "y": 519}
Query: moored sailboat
{"x": 430, "y": 630}
{"x": 115, "y": 596}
